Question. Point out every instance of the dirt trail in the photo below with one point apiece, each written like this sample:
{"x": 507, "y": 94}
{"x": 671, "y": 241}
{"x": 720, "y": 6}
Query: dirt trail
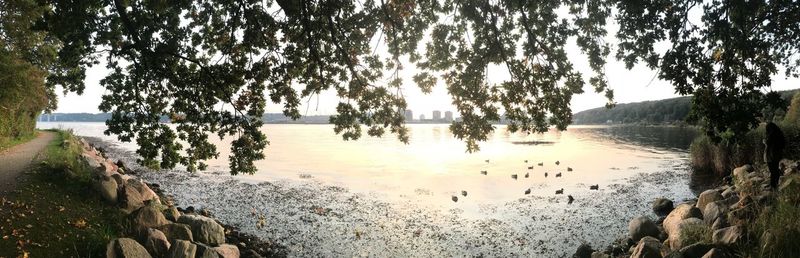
{"x": 15, "y": 160}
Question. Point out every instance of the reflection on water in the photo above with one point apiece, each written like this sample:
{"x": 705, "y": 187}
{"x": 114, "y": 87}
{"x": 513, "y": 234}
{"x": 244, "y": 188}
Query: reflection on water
{"x": 435, "y": 161}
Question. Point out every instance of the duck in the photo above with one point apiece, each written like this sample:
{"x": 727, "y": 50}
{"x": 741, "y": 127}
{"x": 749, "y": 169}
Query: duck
{"x": 561, "y": 191}
{"x": 526, "y": 161}
{"x": 484, "y": 172}
{"x": 514, "y": 176}
{"x": 558, "y": 174}
{"x": 570, "y": 199}
{"x": 569, "y": 169}
{"x": 528, "y": 191}
{"x": 464, "y": 193}
{"x": 558, "y": 162}
{"x": 487, "y": 161}
{"x": 455, "y": 198}
{"x": 531, "y": 167}
{"x": 527, "y": 175}
{"x": 541, "y": 164}
{"x": 545, "y": 174}
{"x": 594, "y": 187}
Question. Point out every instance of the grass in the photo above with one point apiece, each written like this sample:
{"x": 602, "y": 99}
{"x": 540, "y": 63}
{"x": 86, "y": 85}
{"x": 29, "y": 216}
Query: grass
{"x": 775, "y": 229}
{"x": 6, "y": 143}
{"x": 697, "y": 233}
{"x": 54, "y": 213}
{"x": 720, "y": 159}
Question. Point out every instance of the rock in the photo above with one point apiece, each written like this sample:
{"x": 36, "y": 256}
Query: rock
{"x": 728, "y": 236}
{"x": 642, "y": 226}
{"x": 144, "y": 191}
{"x": 662, "y": 206}
{"x": 742, "y": 215}
{"x": 130, "y": 199}
{"x": 584, "y": 251}
{"x": 182, "y": 249}
{"x": 177, "y": 231}
{"x": 172, "y": 213}
{"x": 120, "y": 179}
{"x": 598, "y": 254}
{"x": 741, "y": 174}
{"x": 716, "y": 253}
{"x": 228, "y": 251}
{"x": 707, "y": 197}
{"x": 696, "y": 250}
{"x": 648, "y": 247}
{"x": 107, "y": 188}
{"x": 148, "y": 217}
{"x": 204, "y": 230}
{"x": 249, "y": 253}
{"x": 124, "y": 248}
{"x": 713, "y": 211}
{"x": 687, "y": 232}
{"x": 719, "y": 223}
{"x": 683, "y": 211}
{"x": 156, "y": 242}
{"x": 204, "y": 251}
{"x": 728, "y": 192}
{"x": 91, "y": 160}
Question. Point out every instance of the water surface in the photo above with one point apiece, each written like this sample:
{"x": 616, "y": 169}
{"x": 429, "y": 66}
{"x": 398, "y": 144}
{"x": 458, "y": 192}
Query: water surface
{"x": 332, "y": 197}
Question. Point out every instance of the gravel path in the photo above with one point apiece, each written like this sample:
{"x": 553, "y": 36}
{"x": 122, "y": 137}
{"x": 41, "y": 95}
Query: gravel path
{"x": 15, "y": 160}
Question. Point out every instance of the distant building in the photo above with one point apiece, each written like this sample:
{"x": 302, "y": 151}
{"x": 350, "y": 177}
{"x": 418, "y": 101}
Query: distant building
{"x": 409, "y": 115}
{"x": 448, "y": 116}
{"x": 437, "y": 115}
{"x": 422, "y": 117}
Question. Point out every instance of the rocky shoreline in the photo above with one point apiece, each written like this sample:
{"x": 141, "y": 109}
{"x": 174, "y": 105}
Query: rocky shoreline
{"x": 157, "y": 228}
{"x": 718, "y": 223}
{"x": 309, "y": 218}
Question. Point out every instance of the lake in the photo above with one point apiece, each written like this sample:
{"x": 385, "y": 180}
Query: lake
{"x": 397, "y": 197}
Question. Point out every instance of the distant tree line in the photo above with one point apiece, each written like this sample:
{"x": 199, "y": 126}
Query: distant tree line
{"x": 666, "y": 111}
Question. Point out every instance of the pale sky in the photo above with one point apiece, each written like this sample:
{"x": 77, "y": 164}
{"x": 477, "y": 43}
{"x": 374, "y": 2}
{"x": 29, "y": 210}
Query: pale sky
{"x": 633, "y": 85}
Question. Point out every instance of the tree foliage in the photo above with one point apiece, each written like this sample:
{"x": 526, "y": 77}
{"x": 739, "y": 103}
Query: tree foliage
{"x": 725, "y": 59}
{"x": 213, "y": 65}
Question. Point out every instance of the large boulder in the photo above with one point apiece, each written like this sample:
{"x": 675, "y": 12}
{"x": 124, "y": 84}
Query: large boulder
{"x": 172, "y": 213}
{"x": 642, "y": 226}
{"x": 182, "y": 249}
{"x": 714, "y": 211}
{"x": 145, "y": 192}
{"x": 688, "y": 231}
{"x": 120, "y": 178}
{"x": 662, "y": 206}
{"x": 741, "y": 174}
{"x": 583, "y": 251}
{"x": 648, "y": 247}
{"x": 91, "y": 160}
{"x": 707, "y": 197}
{"x": 716, "y": 253}
{"x": 125, "y": 248}
{"x": 177, "y": 231}
{"x": 683, "y": 211}
{"x": 204, "y": 251}
{"x": 204, "y": 229}
{"x": 231, "y": 251}
{"x": 130, "y": 199}
{"x": 728, "y": 236}
{"x": 148, "y": 217}
{"x": 156, "y": 242}
{"x": 107, "y": 188}
{"x": 696, "y": 250}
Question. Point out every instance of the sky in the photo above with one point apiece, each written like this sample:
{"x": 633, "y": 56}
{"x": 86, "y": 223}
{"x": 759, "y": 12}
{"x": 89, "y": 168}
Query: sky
{"x": 637, "y": 84}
